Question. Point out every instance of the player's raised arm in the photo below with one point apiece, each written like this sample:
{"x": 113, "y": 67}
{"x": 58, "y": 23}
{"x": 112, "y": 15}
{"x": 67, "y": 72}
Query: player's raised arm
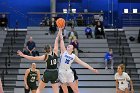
{"x": 56, "y": 43}
{"x": 62, "y": 45}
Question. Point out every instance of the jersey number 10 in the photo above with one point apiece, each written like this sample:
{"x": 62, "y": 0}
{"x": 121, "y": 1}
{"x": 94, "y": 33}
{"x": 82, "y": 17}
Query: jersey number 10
{"x": 53, "y": 62}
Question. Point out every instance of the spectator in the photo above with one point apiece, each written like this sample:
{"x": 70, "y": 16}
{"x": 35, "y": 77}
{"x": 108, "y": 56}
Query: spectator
{"x": 72, "y": 34}
{"x": 75, "y": 44}
{"x": 99, "y": 30}
{"x": 80, "y": 20}
{"x": 88, "y": 32}
{"x": 109, "y": 58}
{"x": 75, "y": 81}
{"x": 30, "y": 48}
{"x": 44, "y": 22}
{"x": 3, "y": 22}
{"x": 52, "y": 26}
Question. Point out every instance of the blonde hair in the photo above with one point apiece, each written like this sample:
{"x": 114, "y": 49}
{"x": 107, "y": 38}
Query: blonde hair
{"x": 122, "y": 66}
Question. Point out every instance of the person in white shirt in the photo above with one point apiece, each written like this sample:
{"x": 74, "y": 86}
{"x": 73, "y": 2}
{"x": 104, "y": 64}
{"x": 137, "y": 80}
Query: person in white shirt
{"x": 122, "y": 80}
{"x": 65, "y": 73}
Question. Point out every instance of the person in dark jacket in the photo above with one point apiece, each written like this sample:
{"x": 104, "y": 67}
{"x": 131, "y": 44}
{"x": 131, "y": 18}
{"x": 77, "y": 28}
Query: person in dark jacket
{"x": 99, "y": 30}
{"x": 3, "y": 22}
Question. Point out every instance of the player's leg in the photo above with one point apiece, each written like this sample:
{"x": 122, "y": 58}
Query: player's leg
{"x": 112, "y": 63}
{"x": 34, "y": 88}
{"x": 126, "y": 90}
{"x": 106, "y": 64}
{"x": 74, "y": 87}
{"x": 41, "y": 86}
{"x": 55, "y": 88}
{"x": 33, "y": 91}
{"x": 26, "y": 90}
{"x": 64, "y": 88}
{"x": 120, "y": 91}
{"x": 63, "y": 79}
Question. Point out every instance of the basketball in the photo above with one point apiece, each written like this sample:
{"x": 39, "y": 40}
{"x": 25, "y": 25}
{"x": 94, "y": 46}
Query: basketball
{"x": 60, "y": 23}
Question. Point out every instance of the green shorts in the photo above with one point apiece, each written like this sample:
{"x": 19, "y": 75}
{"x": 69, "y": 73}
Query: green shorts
{"x": 32, "y": 86}
{"x": 50, "y": 75}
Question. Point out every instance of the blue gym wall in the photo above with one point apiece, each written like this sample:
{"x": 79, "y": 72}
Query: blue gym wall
{"x": 18, "y": 9}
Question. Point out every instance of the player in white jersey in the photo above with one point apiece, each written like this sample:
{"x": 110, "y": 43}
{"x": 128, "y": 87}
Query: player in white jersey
{"x": 65, "y": 73}
{"x": 122, "y": 80}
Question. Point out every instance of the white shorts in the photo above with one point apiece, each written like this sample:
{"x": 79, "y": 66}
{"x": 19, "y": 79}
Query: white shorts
{"x": 123, "y": 87}
{"x": 66, "y": 76}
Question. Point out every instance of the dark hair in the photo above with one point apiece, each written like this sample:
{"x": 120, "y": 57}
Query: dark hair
{"x": 122, "y": 66}
{"x": 47, "y": 48}
{"x": 110, "y": 49}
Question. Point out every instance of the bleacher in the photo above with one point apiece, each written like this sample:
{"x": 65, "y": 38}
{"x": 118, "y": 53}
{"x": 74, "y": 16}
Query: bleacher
{"x": 93, "y": 54}
{"x": 134, "y": 46}
{"x": 2, "y": 37}
{"x": 122, "y": 48}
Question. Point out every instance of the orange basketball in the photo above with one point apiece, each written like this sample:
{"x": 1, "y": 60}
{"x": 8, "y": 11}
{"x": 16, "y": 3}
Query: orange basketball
{"x": 60, "y": 23}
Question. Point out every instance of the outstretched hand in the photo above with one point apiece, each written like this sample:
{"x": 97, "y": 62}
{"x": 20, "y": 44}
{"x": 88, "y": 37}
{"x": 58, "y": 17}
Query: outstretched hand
{"x": 95, "y": 71}
{"x": 20, "y": 53}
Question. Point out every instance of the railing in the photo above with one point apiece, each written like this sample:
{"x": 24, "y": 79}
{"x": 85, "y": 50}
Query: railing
{"x": 34, "y": 18}
{"x": 131, "y": 19}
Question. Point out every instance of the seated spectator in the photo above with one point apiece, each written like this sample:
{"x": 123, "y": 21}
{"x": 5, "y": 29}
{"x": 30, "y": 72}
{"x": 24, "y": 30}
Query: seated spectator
{"x": 99, "y": 30}
{"x": 52, "y": 28}
{"x": 139, "y": 36}
{"x": 88, "y": 32}
{"x": 109, "y": 58}
{"x": 3, "y": 22}
{"x": 75, "y": 44}
{"x": 80, "y": 20}
{"x": 72, "y": 34}
{"x": 30, "y": 48}
{"x": 75, "y": 81}
{"x": 44, "y": 22}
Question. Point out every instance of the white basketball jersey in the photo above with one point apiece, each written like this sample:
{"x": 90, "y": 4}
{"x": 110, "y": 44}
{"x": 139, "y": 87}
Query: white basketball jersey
{"x": 66, "y": 60}
{"x": 123, "y": 80}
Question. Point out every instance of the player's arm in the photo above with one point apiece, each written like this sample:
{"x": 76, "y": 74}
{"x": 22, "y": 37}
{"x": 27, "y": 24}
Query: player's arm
{"x": 76, "y": 82}
{"x": 62, "y": 45}
{"x": 85, "y": 64}
{"x": 38, "y": 76}
{"x": 25, "y": 77}
{"x": 30, "y": 57}
{"x": 117, "y": 86}
{"x": 131, "y": 83}
{"x": 132, "y": 89}
{"x": 56, "y": 43}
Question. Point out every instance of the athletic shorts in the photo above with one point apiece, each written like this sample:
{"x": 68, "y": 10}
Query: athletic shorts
{"x": 66, "y": 76}
{"x": 31, "y": 87}
{"x": 50, "y": 75}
